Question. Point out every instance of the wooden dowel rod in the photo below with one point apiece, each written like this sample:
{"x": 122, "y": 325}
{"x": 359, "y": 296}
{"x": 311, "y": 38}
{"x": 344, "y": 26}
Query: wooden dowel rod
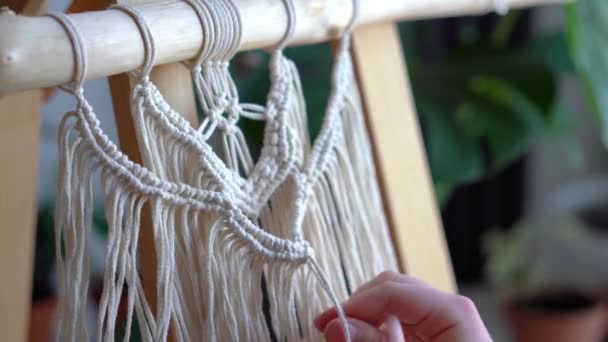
{"x": 35, "y": 52}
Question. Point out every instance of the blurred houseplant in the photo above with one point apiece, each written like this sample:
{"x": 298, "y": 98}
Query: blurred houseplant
{"x": 485, "y": 100}
{"x": 550, "y": 269}
{"x": 587, "y": 36}
{"x": 549, "y": 287}
{"x": 489, "y": 96}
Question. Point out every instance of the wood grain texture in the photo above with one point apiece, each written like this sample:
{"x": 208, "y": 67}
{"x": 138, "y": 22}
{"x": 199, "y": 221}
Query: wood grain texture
{"x": 19, "y": 138}
{"x": 115, "y": 46}
{"x": 400, "y": 157}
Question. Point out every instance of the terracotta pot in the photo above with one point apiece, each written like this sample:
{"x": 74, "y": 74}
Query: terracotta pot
{"x": 41, "y": 320}
{"x": 557, "y": 317}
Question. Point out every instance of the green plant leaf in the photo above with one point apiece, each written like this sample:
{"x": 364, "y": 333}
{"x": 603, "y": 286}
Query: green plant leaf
{"x": 454, "y": 155}
{"x": 507, "y": 119}
{"x": 481, "y": 109}
{"x": 587, "y": 23}
{"x": 554, "y": 50}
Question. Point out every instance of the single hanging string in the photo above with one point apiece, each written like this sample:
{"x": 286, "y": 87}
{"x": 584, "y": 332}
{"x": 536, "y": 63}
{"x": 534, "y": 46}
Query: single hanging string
{"x": 80, "y": 65}
{"x": 148, "y": 41}
{"x": 72, "y": 295}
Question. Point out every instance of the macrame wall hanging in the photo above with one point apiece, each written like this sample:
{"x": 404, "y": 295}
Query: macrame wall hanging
{"x": 305, "y": 219}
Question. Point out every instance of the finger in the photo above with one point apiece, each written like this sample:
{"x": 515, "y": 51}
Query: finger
{"x": 411, "y": 304}
{"x": 389, "y": 276}
{"x": 360, "y": 331}
{"x": 385, "y": 277}
{"x": 391, "y": 330}
{"x": 324, "y": 318}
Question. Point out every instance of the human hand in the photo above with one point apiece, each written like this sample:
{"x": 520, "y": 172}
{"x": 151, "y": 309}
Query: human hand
{"x": 395, "y": 308}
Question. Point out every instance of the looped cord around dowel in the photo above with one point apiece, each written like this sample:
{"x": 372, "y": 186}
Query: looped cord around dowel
{"x": 501, "y": 7}
{"x": 236, "y": 27}
{"x": 353, "y": 19}
{"x": 291, "y": 24}
{"x": 80, "y": 63}
{"x": 208, "y": 32}
{"x": 146, "y": 35}
{"x": 223, "y": 30}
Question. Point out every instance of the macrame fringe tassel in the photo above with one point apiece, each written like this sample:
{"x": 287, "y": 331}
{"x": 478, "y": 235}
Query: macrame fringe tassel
{"x": 234, "y": 240}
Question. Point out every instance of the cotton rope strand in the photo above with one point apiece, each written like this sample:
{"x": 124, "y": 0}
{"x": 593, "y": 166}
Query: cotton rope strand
{"x": 135, "y": 175}
{"x": 86, "y": 110}
{"x": 128, "y": 186}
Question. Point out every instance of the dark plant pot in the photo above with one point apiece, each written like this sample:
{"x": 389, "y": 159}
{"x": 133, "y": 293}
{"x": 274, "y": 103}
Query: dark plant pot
{"x": 563, "y": 316}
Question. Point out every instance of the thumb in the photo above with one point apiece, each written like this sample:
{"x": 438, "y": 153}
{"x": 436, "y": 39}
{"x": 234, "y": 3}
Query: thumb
{"x": 360, "y": 331}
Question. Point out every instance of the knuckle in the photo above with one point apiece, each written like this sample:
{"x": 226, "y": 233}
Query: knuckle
{"x": 389, "y": 287}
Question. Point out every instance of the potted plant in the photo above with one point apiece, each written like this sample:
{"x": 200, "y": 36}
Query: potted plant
{"x": 549, "y": 291}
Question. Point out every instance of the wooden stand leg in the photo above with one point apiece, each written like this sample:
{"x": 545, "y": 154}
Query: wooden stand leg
{"x": 400, "y": 157}
{"x": 175, "y": 83}
{"x": 19, "y": 138}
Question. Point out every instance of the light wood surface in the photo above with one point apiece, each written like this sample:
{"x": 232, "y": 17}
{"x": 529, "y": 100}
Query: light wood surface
{"x": 19, "y": 137}
{"x": 400, "y": 157}
{"x": 19, "y": 143}
{"x": 175, "y": 83}
{"x": 114, "y": 44}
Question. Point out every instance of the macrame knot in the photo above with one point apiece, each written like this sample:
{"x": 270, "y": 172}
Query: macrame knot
{"x": 221, "y": 223}
{"x": 308, "y": 251}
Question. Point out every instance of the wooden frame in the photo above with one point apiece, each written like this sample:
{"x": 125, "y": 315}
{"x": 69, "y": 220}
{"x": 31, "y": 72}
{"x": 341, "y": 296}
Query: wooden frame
{"x": 400, "y": 157}
{"x": 19, "y": 143}
{"x": 19, "y": 139}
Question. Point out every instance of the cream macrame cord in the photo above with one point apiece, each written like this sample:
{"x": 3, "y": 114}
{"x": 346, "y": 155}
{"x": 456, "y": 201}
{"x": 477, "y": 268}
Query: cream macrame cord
{"x": 221, "y": 227}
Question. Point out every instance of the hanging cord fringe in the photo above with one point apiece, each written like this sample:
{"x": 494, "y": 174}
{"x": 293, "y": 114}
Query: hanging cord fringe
{"x": 221, "y": 228}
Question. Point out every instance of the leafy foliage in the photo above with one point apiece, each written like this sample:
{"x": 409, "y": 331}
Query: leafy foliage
{"x": 587, "y": 28}
{"x": 483, "y": 103}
